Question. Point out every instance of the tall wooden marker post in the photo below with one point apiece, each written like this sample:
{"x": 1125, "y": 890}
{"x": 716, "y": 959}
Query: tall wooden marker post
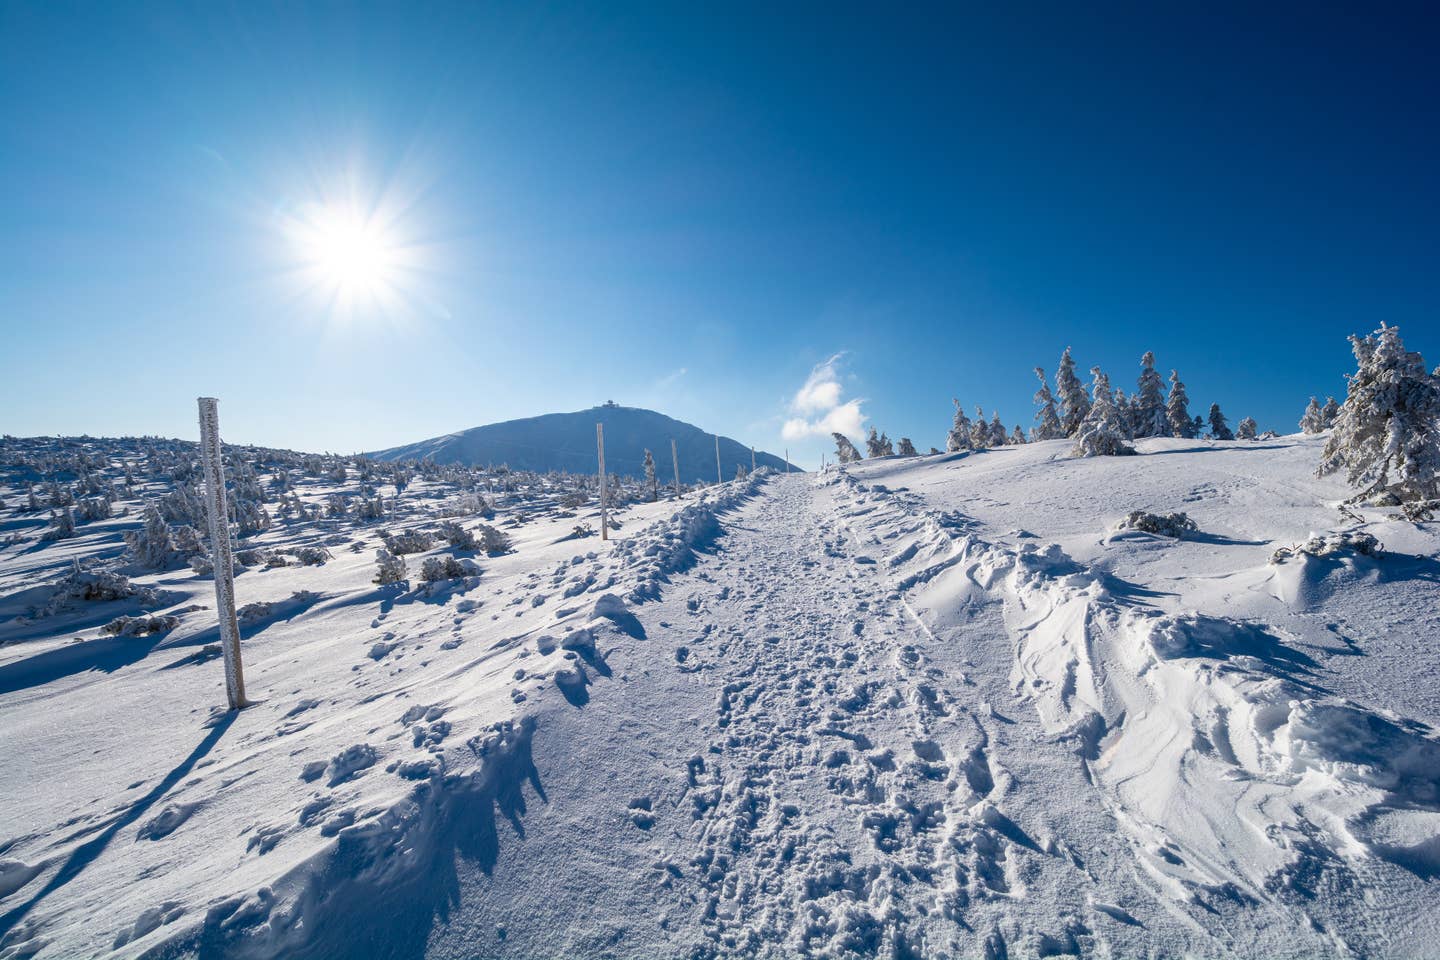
{"x": 675, "y": 460}
{"x": 220, "y": 556}
{"x": 718, "y": 477}
{"x": 752, "y": 459}
{"x": 604, "y": 514}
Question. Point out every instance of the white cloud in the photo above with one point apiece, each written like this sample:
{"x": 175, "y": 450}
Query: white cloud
{"x": 817, "y": 410}
{"x": 670, "y": 379}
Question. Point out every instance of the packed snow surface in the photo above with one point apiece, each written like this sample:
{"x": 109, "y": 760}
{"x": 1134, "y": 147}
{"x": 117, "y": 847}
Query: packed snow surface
{"x": 961, "y": 705}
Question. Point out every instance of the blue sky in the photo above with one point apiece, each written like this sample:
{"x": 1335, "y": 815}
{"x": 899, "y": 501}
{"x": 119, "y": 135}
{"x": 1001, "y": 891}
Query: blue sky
{"x": 692, "y": 207}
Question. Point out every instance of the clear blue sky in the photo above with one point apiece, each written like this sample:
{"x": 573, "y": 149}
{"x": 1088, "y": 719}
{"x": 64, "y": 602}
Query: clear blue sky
{"x": 690, "y": 206}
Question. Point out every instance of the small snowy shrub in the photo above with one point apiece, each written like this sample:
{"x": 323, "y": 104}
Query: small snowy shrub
{"x": 310, "y": 556}
{"x": 391, "y": 568}
{"x": 151, "y": 545}
{"x": 62, "y": 525}
{"x": 1175, "y": 525}
{"x": 91, "y": 509}
{"x": 457, "y": 536}
{"x": 140, "y": 626}
{"x": 493, "y": 541}
{"x": 201, "y": 565}
{"x": 1246, "y": 429}
{"x": 447, "y": 568}
{"x": 1331, "y": 544}
{"x": 408, "y": 541}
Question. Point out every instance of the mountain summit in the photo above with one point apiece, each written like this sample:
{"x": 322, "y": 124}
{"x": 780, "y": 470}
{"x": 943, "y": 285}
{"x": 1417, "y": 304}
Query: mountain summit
{"x": 566, "y": 441}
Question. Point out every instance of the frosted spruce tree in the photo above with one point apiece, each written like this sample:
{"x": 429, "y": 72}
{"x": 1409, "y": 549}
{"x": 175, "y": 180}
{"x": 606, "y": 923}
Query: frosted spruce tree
{"x": 1101, "y": 433}
{"x": 650, "y": 480}
{"x": 150, "y": 545}
{"x": 1074, "y": 404}
{"x": 959, "y": 438}
{"x": 1219, "y": 429}
{"x": 845, "y": 451}
{"x": 1124, "y": 412}
{"x": 979, "y": 430}
{"x": 1387, "y": 433}
{"x": 998, "y": 436}
{"x": 1017, "y": 436}
{"x": 1329, "y": 412}
{"x": 907, "y": 449}
{"x": 1150, "y": 418}
{"x": 1313, "y": 420}
{"x": 873, "y": 447}
{"x": 1047, "y": 419}
{"x": 1177, "y": 410}
{"x": 389, "y": 567}
{"x": 1247, "y": 429}
{"x": 887, "y": 449}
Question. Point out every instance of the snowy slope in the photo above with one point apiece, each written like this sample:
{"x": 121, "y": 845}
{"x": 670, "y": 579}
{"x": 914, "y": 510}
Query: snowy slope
{"x": 566, "y": 441}
{"x": 936, "y": 706}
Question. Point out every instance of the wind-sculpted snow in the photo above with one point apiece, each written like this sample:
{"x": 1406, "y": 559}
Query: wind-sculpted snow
{"x": 1238, "y": 779}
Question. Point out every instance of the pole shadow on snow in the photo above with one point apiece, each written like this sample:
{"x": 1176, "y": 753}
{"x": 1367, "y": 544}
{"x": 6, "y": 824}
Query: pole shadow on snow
{"x": 87, "y": 852}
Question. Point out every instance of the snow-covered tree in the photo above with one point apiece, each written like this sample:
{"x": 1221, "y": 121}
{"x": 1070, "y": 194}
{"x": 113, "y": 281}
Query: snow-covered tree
{"x": 1329, "y": 412}
{"x": 740, "y": 471}
{"x": 493, "y": 541}
{"x": 650, "y": 480}
{"x": 1150, "y": 415}
{"x": 907, "y": 449}
{"x": 1123, "y": 412}
{"x": 1387, "y": 434}
{"x": 887, "y": 449}
{"x": 1246, "y": 429}
{"x": 457, "y": 536}
{"x": 1017, "y": 436}
{"x": 1177, "y": 410}
{"x": 845, "y": 451}
{"x": 1313, "y": 421}
{"x": 1101, "y": 433}
{"x": 1047, "y": 420}
{"x": 150, "y": 545}
{"x": 979, "y": 430}
{"x": 62, "y": 524}
{"x": 998, "y": 436}
{"x": 872, "y": 444}
{"x": 1074, "y": 404}
{"x": 389, "y": 567}
{"x": 1219, "y": 429}
{"x": 959, "y": 438}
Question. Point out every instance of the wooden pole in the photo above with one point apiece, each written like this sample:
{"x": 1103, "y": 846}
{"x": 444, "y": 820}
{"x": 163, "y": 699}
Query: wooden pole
{"x": 220, "y": 554}
{"x": 604, "y": 514}
{"x": 752, "y": 459}
{"x": 787, "y": 459}
{"x": 718, "y": 477}
{"x": 676, "y": 461}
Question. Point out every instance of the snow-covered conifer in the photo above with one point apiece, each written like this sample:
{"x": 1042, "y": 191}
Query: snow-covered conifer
{"x": 1313, "y": 420}
{"x": 1123, "y": 412}
{"x": 1150, "y": 416}
{"x": 872, "y": 444}
{"x": 650, "y": 480}
{"x": 1047, "y": 420}
{"x": 150, "y": 545}
{"x": 845, "y": 451}
{"x": 1074, "y": 404}
{"x": 1387, "y": 434}
{"x": 1017, "y": 436}
{"x": 1329, "y": 412}
{"x": 907, "y": 449}
{"x": 1246, "y": 429}
{"x": 492, "y": 540}
{"x": 62, "y": 524}
{"x": 998, "y": 436}
{"x": 1101, "y": 433}
{"x": 979, "y": 430}
{"x": 1219, "y": 429}
{"x": 1177, "y": 410}
{"x": 887, "y": 449}
{"x": 959, "y": 438}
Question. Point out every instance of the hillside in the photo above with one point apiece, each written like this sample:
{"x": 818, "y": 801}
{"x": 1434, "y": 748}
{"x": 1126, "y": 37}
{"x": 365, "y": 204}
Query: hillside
{"x": 938, "y": 706}
{"x": 566, "y": 441}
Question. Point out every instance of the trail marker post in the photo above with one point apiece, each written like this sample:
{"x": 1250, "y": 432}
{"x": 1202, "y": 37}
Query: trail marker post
{"x": 220, "y": 554}
{"x": 718, "y": 477}
{"x": 787, "y": 459}
{"x": 675, "y": 460}
{"x": 604, "y": 514}
{"x": 752, "y": 459}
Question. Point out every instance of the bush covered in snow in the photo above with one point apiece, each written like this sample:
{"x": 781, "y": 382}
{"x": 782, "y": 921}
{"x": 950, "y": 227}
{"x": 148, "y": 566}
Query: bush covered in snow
{"x": 151, "y": 545}
{"x": 1331, "y": 544}
{"x": 448, "y": 568}
{"x": 391, "y": 568}
{"x": 493, "y": 541}
{"x": 140, "y": 626}
{"x": 457, "y": 536}
{"x": 1175, "y": 525}
{"x": 407, "y": 541}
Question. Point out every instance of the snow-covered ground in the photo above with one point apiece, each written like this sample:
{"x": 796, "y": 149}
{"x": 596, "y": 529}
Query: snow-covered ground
{"x": 922, "y": 707}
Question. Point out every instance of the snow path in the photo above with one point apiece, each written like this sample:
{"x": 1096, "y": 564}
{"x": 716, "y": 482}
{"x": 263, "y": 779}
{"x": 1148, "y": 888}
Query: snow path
{"x": 808, "y": 769}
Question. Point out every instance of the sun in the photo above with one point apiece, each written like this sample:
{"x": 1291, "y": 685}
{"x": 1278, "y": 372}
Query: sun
{"x": 353, "y": 260}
